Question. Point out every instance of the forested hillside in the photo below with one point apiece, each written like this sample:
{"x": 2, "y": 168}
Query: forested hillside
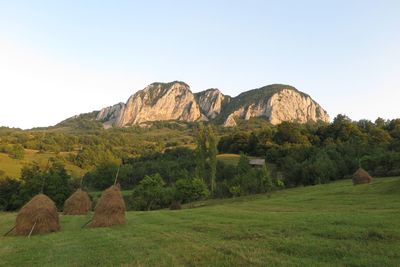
{"x": 176, "y": 161}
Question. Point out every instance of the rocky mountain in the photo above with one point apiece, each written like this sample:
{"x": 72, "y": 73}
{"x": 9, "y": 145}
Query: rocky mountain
{"x": 110, "y": 115}
{"x": 175, "y": 101}
{"x": 276, "y": 103}
{"x": 211, "y": 102}
{"x": 156, "y": 102}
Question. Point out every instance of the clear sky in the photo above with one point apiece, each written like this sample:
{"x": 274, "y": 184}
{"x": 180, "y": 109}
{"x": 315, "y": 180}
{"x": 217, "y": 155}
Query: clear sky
{"x": 61, "y": 58}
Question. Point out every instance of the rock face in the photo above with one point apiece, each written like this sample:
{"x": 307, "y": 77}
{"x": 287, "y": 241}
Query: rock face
{"x": 156, "y": 102}
{"x": 289, "y": 105}
{"x": 211, "y": 102}
{"x": 110, "y": 115}
{"x": 283, "y": 105}
{"x": 175, "y": 101}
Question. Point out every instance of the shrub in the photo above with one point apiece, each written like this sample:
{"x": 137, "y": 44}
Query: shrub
{"x": 151, "y": 193}
{"x": 17, "y": 152}
{"x": 9, "y": 194}
{"x": 188, "y": 190}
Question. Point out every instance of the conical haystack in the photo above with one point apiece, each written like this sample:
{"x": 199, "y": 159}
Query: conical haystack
{"x": 361, "y": 177}
{"x": 175, "y": 205}
{"x": 110, "y": 208}
{"x": 39, "y": 215}
{"x": 78, "y": 203}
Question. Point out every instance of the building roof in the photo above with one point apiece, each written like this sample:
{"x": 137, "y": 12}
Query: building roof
{"x": 259, "y": 162}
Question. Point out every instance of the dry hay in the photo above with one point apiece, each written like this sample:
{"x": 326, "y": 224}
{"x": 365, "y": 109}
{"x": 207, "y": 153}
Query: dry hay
{"x": 175, "y": 205}
{"x": 78, "y": 203}
{"x": 40, "y": 212}
{"x": 361, "y": 177}
{"x": 110, "y": 208}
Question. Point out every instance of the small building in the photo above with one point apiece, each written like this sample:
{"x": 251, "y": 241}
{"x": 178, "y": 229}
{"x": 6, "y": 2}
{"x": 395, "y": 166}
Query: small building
{"x": 257, "y": 163}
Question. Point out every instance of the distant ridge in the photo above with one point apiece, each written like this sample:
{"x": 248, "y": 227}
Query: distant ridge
{"x": 175, "y": 101}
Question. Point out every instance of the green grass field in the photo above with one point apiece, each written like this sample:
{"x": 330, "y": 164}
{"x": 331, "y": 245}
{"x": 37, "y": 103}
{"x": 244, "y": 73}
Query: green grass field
{"x": 12, "y": 167}
{"x": 96, "y": 194}
{"x": 337, "y": 224}
{"x": 231, "y": 159}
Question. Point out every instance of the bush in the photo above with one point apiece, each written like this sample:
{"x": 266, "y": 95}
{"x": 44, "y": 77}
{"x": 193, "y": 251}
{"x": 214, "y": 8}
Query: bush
{"x": 151, "y": 193}
{"x": 9, "y": 194}
{"x": 16, "y": 151}
{"x": 189, "y": 190}
{"x": 248, "y": 180}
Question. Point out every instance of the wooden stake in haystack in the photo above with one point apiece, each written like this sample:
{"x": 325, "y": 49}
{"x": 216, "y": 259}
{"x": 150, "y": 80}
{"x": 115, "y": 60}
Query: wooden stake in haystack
{"x": 110, "y": 208}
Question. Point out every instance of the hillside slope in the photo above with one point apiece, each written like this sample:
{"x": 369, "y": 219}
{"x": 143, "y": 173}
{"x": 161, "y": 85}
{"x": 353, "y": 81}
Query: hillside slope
{"x": 12, "y": 167}
{"x": 326, "y": 225}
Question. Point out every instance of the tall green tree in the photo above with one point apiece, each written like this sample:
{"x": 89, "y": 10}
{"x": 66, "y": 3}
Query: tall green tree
{"x": 243, "y": 165}
{"x": 201, "y": 151}
{"x": 212, "y": 153}
{"x": 266, "y": 181}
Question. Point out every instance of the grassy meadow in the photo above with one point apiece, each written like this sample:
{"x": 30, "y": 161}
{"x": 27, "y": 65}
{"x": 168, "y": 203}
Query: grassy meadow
{"x": 336, "y": 224}
{"x": 231, "y": 159}
{"x": 12, "y": 167}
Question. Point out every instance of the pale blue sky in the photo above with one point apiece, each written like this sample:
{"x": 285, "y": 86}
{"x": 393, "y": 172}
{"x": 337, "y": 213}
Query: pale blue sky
{"x": 60, "y": 58}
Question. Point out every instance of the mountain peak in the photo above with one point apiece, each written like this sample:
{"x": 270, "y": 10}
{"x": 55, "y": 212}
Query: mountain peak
{"x": 276, "y": 103}
{"x": 175, "y": 101}
{"x": 168, "y": 84}
{"x": 211, "y": 102}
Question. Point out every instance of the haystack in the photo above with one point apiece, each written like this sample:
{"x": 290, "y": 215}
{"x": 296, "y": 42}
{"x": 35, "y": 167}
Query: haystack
{"x": 110, "y": 208}
{"x": 361, "y": 176}
{"x": 39, "y": 215}
{"x": 78, "y": 203}
{"x": 175, "y": 205}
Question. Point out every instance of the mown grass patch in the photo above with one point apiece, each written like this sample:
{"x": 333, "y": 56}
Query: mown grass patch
{"x": 335, "y": 224}
{"x": 12, "y": 167}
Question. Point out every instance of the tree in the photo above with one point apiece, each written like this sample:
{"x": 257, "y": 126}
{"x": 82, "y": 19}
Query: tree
{"x": 17, "y": 152}
{"x": 52, "y": 181}
{"x": 188, "y": 190}
{"x": 102, "y": 176}
{"x": 212, "y": 152}
{"x": 150, "y": 193}
{"x": 290, "y": 133}
{"x": 266, "y": 179}
{"x": 253, "y": 144}
{"x": 9, "y": 194}
{"x": 201, "y": 151}
{"x": 243, "y": 165}
{"x": 32, "y": 179}
{"x": 206, "y": 152}
{"x": 56, "y": 183}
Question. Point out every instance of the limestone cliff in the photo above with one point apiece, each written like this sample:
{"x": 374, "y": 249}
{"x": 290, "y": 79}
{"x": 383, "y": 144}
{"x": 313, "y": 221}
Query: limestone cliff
{"x": 284, "y": 104}
{"x": 175, "y": 101}
{"x": 156, "y": 102}
{"x": 110, "y": 115}
{"x": 211, "y": 102}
